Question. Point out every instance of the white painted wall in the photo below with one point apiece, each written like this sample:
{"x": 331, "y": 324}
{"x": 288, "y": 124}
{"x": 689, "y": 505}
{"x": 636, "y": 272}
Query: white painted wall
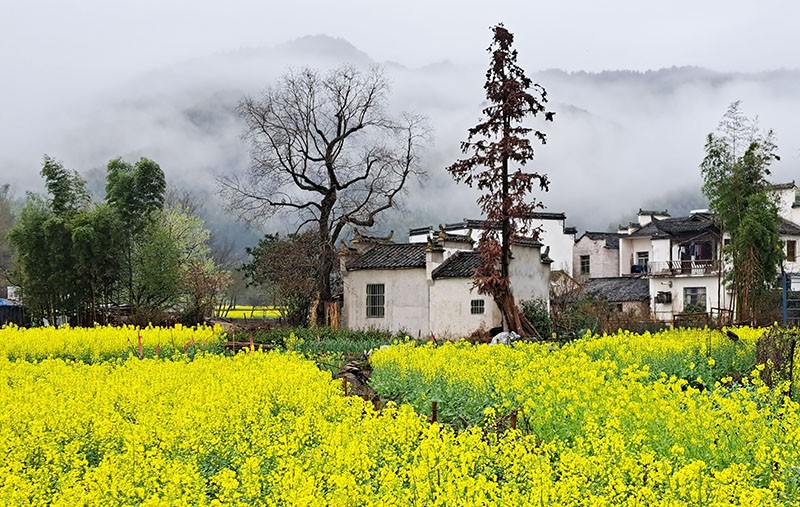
{"x": 560, "y": 244}
{"x": 420, "y": 306}
{"x": 786, "y": 200}
{"x": 676, "y": 285}
{"x": 603, "y": 262}
{"x": 406, "y": 300}
{"x": 660, "y": 250}
{"x": 627, "y": 252}
{"x": 552, "y": 235}
{"x": 450, "y": 315}
{"x": 530, "y": 278}
{"x": 789, "y": 266}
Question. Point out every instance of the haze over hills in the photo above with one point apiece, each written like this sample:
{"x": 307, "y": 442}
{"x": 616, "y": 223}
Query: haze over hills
{"x": 621, "y": 140}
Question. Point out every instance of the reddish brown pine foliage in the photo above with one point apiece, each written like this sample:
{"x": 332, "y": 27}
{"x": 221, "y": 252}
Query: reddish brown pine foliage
{"x": 498, "y": 148}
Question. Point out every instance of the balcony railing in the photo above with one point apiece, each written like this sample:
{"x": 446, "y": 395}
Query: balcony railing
{"x": 693, "y": 267}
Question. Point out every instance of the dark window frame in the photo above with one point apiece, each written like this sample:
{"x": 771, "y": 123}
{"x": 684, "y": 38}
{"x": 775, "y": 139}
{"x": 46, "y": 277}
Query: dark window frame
{"x": 695, "y": 296}
{"x": 376, "y": 300}
{"x": 585, "y": 264}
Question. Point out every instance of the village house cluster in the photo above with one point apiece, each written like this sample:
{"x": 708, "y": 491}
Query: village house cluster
{"x": 660, "y": 266}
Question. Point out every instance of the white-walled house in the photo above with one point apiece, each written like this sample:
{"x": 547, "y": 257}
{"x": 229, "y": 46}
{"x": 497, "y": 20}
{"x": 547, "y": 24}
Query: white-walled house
{"x": 596, "y": 255}
{"x": 788, "y": 228}
{"x": 681, "y": 259}
{"x": 426, "y": 288}
{"x": 553, "y": 234}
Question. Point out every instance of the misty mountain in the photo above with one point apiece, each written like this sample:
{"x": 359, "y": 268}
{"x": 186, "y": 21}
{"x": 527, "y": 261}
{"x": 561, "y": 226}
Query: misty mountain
{"x": 621, "y": 140}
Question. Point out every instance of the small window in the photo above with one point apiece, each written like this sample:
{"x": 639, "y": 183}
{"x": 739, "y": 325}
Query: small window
{"x": 642, "y": 258}
{"x": 477, "y": 306}
{"x": 791, "y": 250}
{"x": 375, "y": 300}
{"x": 694, "y": 299}
{"x": 585, "y": 264}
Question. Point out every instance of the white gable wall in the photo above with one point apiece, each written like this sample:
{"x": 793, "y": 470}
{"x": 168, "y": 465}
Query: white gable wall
{"x": 451, "y": 315}
{"x": 552, "y": 235}
{"x": 786, "y": 208}
{"x": 530, "y": 277}
{"x": 603, "y": 262}
{"x": 628, "y": 247}
{"x": 405, "y": 300}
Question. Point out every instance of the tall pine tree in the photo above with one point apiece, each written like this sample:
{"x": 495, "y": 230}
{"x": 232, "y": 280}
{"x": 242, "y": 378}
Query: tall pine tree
{"x": 499, "y": 146}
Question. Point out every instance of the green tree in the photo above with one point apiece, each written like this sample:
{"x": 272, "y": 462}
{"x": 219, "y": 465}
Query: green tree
{"x": 136, "y": 193}
{"x": 286, "y": 270}
{"x": 7, "y": 219}
{"x": 67, "y": 189}
{"x": 156, "y": 272}
{"x": 325, "y": 150}
{"x": 75, "y": 257}
{"x": 43, "y": 239}
{"x": 735, "y": 171}
{"x": 98, "y": 244}
{"x": 500, "y": 147}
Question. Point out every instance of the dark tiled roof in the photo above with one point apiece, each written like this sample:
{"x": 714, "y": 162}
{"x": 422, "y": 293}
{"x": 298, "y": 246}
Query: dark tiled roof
{"x": 788, "y": 228}
{"x": 461, "y": 264}
{"x": 783, "y": 186}
{"x": 617, "y": 290}
{"x": 570, "y": 230}
{"x": 420, "y": 231}
{"x": 455, "y": 238}
{"x": 697, "y": 223}
{"x": 544, "y": 215}
{"x": 524, "y": 241}
{"x": 650, "y": 212}
{"x": 611, "y": 238}
{"x": 392, "y": 256}
{"x": 358, "y": 237}
{"x": 469, "y": 223}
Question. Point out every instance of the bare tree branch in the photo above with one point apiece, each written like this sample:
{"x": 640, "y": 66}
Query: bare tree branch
{"x": 324, "y": 147}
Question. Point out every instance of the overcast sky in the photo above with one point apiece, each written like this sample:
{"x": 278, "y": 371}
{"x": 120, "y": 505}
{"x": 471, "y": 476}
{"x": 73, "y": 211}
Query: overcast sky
{"x": 51, "y": 43}
{"x": 62, "y": 60}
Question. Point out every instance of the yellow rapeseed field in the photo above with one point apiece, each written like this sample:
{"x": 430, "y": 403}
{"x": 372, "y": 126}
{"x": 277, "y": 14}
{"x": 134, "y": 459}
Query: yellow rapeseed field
{"x": 272, "y": 429}
{"x": 104, "y": 342}
{"x": 614, "y": 432}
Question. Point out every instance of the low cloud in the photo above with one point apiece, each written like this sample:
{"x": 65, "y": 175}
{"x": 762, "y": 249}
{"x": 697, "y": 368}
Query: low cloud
{"x": 620, "y": 140}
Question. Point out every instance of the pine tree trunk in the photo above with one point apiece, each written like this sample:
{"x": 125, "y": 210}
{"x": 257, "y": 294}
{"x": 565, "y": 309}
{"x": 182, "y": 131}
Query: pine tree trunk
{"x": 514, "y": 319}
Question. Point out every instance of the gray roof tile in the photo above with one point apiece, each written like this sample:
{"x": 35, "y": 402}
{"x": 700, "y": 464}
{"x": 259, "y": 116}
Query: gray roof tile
{"x": 620, "y": 289}
{"x": 611, "y": 238}
{"x": 788, "y": 228}
{"x": 461, "y": 264}
{"x": 391, "y": 256}
{"x": 697, "y": 223}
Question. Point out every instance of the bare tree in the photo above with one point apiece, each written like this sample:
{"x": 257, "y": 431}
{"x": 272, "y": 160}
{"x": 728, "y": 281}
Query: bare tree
{"x": 325, "y": 150}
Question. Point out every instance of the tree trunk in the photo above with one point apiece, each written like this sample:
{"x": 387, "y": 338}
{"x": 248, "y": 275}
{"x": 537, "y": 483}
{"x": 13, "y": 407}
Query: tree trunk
{"x": 326, "y": 259}
{"x": 514, "y": 319}
{"x": 775, "y": 350}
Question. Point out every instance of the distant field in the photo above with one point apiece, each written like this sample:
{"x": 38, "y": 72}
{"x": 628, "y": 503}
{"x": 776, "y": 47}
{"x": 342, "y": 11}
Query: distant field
{"x": 250, "y": 312}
